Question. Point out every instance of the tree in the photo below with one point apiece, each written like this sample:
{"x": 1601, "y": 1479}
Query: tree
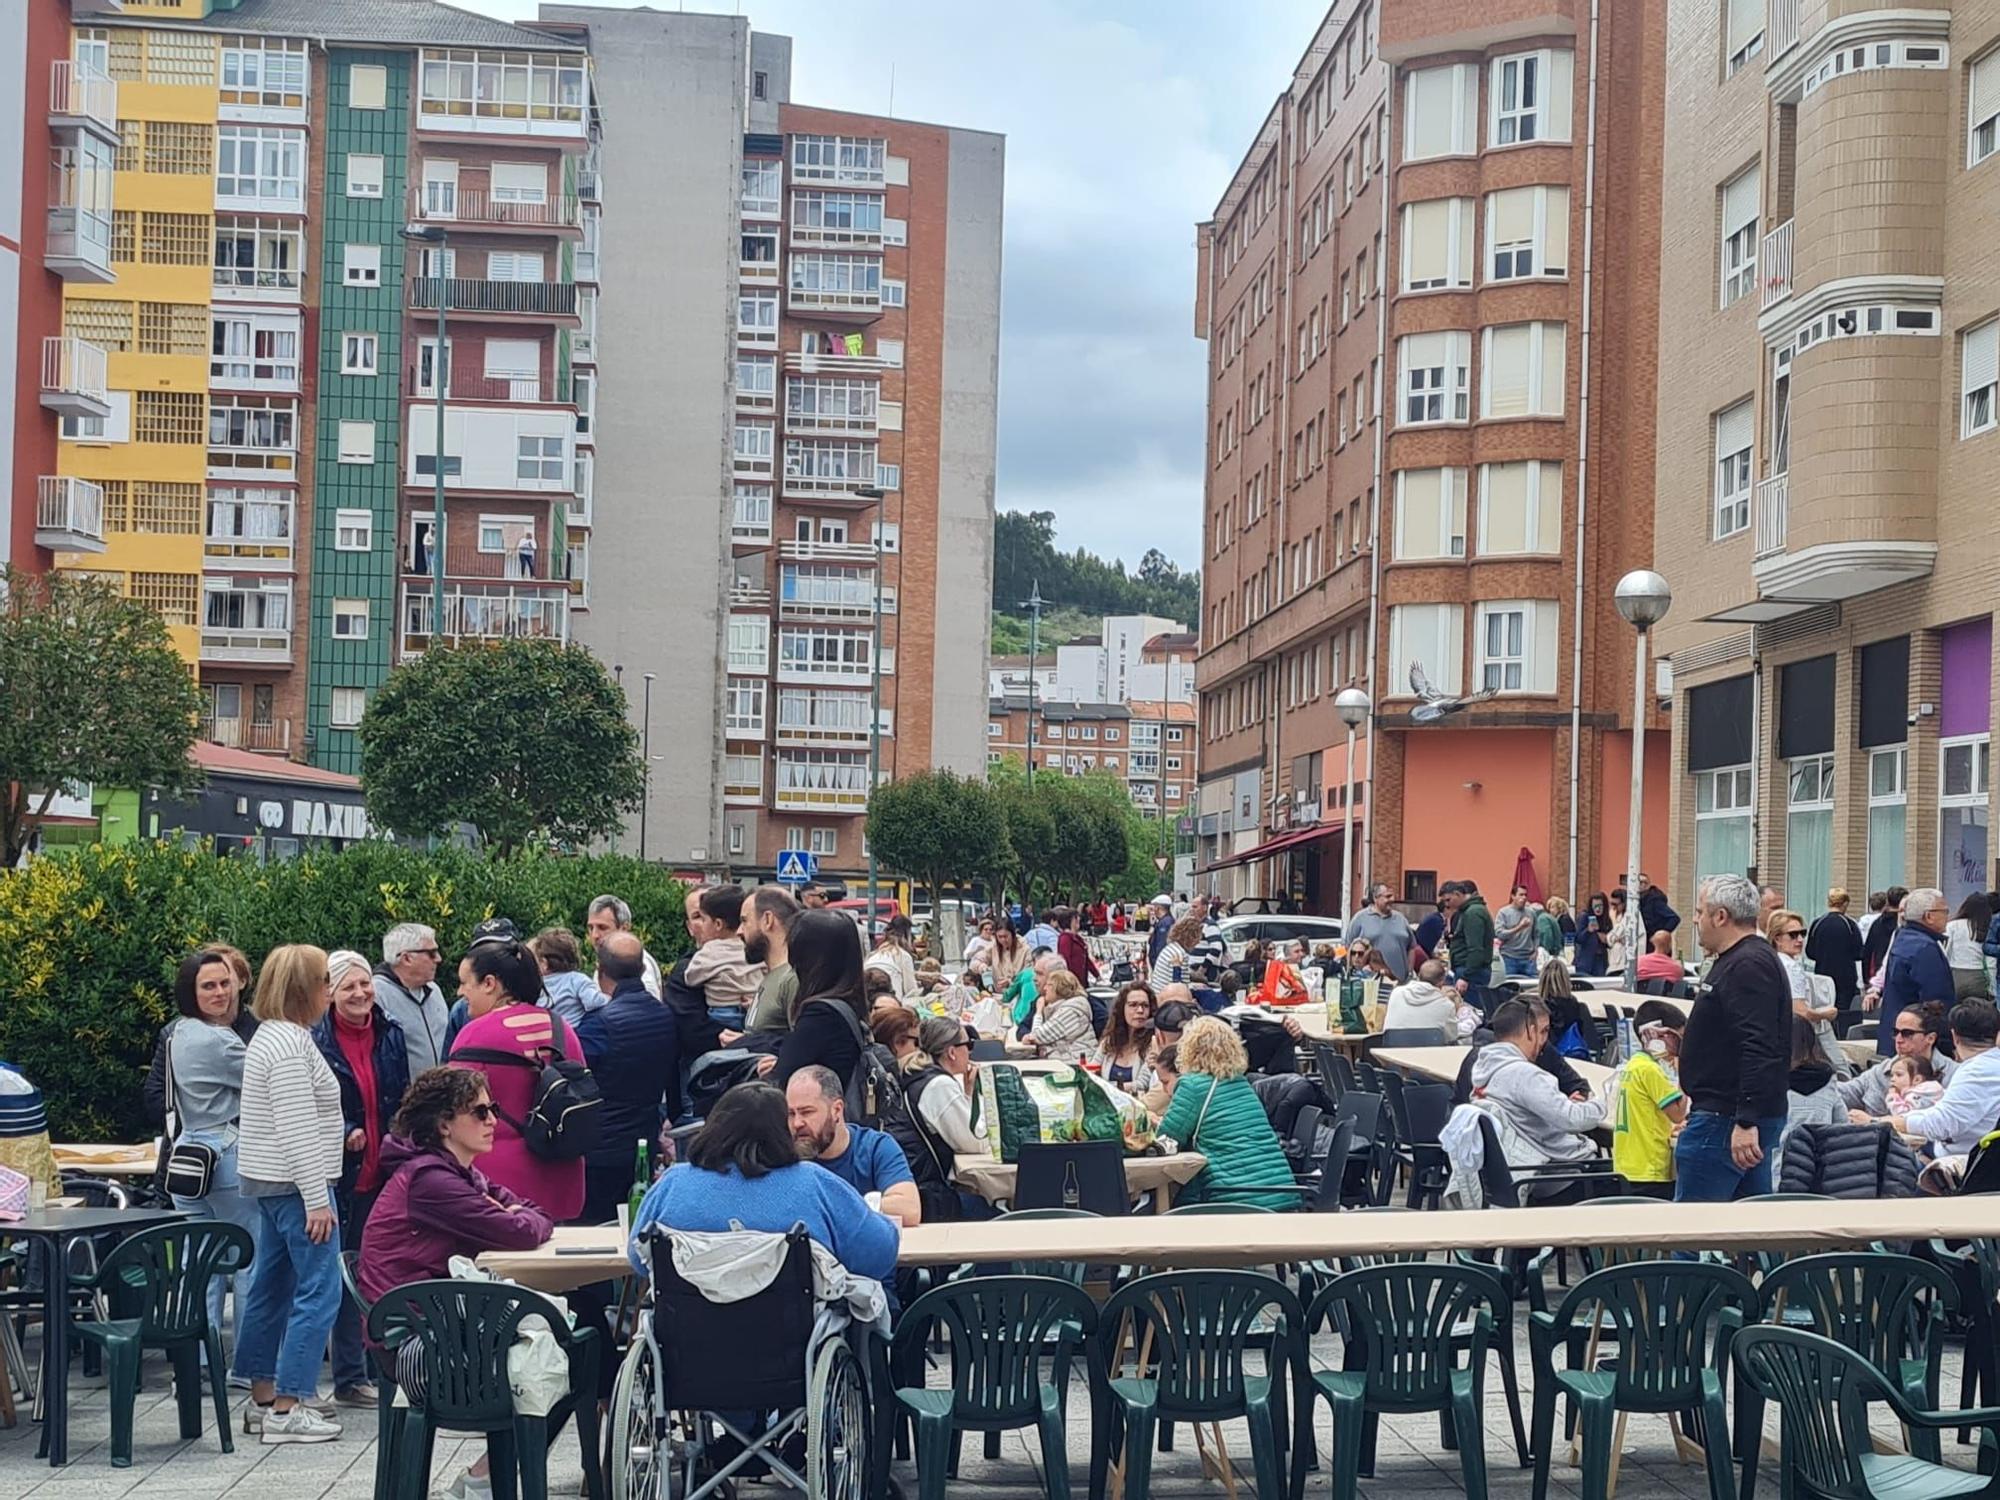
{"x": 91, "y": 692}
{"x": 1025, "y": 555}
{"x": 1065, "y": 834}
{"x": 937, "y": 828}
{"x": 523, "y": 740}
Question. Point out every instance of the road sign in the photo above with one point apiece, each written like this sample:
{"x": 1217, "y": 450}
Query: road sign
{"x": 796, "y": 867}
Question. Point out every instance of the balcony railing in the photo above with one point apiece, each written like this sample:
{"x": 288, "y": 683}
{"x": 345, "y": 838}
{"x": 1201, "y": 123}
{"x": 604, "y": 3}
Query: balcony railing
{"x": 79, "y": 247}
{"x": 1773, "y": 504}
{"x": 69, "y": 514}
{"x": 823, "y": 736}
{"x": 826, "y": 486}
{"x": 1781, "y": 30}
{"x": 752, "y": 465}
{"x": 810, "y": 235}
{"x": 514, "y": 298}
{"x": 589, "y": 184}
{"x": 744, "y": 595}
{"x": 836, "y": 424}
{"x": 266, "y": 647}
{"x": 73, "y": 377}
{"x": 474, "y": 206}
{"x": 1774, "y": 261}
{"x": 821, "y": 799}
{"x": 840, "y": 552}
{"x": 523, "y": 390}
{"x": 820, "y": 300}
{"x": 757, "y": 272}
{"x": 247, "y": 734}
{"x": 87, "y": 98}
{"x": 485, "y": 615}
{"x": 254, "y": 553}
{"x": 834, "y": 364}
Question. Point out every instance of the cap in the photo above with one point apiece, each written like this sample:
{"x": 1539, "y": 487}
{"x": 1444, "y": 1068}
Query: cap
{"x": 494, "y": 930}
{"x": 1163, "y": 900}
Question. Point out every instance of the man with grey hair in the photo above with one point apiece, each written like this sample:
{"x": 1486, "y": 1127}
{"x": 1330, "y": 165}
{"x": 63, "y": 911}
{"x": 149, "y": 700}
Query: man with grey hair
{"x": 1385, "y": 929}
{"x": 406, "y": 989}
{"x": 607, "y": 914}
{"x": 1916, "y": 970}
{"x": 1736, "y": 1054}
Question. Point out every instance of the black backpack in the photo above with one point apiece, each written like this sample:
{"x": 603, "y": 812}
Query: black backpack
{"x": 873, "y": 1090}
{"x": 567, "y": 1109}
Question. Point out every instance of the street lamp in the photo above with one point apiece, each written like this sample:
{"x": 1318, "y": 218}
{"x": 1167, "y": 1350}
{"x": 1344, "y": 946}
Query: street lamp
{"x": 646, "y": 750}
{"x": 875, "y": 706}
{"x": 1353, "y": 707}
{"x": 1643, "y": 598}
{"x": 433, "y": 234}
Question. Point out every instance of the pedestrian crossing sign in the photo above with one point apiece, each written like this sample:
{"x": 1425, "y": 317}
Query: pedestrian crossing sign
{"x": 796, "y": 867}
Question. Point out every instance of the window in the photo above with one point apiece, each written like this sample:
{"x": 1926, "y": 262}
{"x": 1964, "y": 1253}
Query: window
{"x": 1888, "y": 816}
{"x": 1428, "y": 635}
{"x": 1520, "y": 508}
{"x": 519, "y": 182}
{"x": 1440, "y": 107}
{"x": 1979, "y": 378}
{"x": 1437, "y": 245}
{"x": 1962, "y": 841}
{"x": 539, "y": 459}
{"x": 1809, "y": 823}
{"x": 357, "y": 442}
{"x": 1436, "y": 377}
{"x": 357, "y": 354}
{"x": 895, "y": 232}
{"x": 353, "y": 530}
{"x": 744, "y": 713}
{"x": 350, "y": 619}
{"x": 1722, "y": 801}
{"x": 1733, "y": 439}
{"x": 257, "y": 254}
{"x": 258, "y": 166}
{"x": 890, "y": 352}
{"x": 1522, "y": 371}
{"x": 1740, "y": 204}
{"x": 1743, "y": 39}
{"x": 749, "y": 643}
{"x": 743, "y": 776}
{"x": 763, "y": 184}
{"x": 361, "y": 265}
{"x": 736, "y": 830}
{"x": 364, "y": 176}
{"x": 1527, "y": 233}
{"x": 1530, "y": 98}
{"x": 888, "y": 476}
{"x": 1430, "y": 513}
{"x": 427, "y": 365}
{"x": 367, "y": 86}
{"x": 245, "y": 348}
{"x": 514, "y": 265}
{"x": 1516, "y": 643}
{"x": 346, "y": 706}
{"x": 510, "y": 86}
{"x": 1983, "y": 108}
{"x": 895, "y": 293}
{"x": 824, "y": 841}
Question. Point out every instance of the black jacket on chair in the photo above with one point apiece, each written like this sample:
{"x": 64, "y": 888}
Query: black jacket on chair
{"x": 1848, "y": 1161}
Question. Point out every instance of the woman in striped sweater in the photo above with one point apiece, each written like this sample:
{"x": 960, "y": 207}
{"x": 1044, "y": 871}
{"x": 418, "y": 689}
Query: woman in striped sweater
{"x": 288, "y": 1158}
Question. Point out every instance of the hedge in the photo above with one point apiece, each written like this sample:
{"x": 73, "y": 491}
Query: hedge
{"x": 89, "y": 940}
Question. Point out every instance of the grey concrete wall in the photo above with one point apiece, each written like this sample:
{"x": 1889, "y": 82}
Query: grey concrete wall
{"x": 771, "y": 55}
{"x": 968, "y": 408}
{"x": 673, "y": 92}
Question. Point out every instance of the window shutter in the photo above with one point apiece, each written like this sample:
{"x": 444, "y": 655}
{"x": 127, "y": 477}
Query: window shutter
{"x": 1740, "y": 202}
{"x": 1982, "y": 356}
{"x": 1504, "y": 390}
{"x": 1546, "y": 487}
{"x": 1417, "y": 502}
{"x": 1555, "y": 230}
{"x": 1556, "y": 119}
{"x": 1461, "y": 213}
{"x": 520, "y": 182}
{"x": 1734, "y": 430}
{"x": 1454, "y": 542}
{"x": 1503, "y": 508}
{"x": 1983, "y": 94}
{"x": 1552, "y": 349}
{"x": 1510, "y": 215}
{"x": 1426, "y": 243}
{"x": 513, "y": 359}
{"x": 1746, "y": 19}
{"x": 1432, "y": 106}
{"x": 1422, "y": 350}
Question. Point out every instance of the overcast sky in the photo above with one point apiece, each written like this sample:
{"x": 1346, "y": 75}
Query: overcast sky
{"x": 1124, "y": 119}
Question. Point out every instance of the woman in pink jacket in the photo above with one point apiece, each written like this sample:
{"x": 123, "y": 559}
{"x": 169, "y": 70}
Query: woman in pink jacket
{"x": 502, "y": 986}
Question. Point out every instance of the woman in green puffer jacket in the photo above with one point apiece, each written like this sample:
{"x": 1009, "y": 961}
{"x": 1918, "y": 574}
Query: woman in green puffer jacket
{"x": 1215, "y": 1111}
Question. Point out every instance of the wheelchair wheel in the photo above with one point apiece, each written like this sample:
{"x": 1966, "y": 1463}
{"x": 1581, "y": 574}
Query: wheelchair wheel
{"x": 640, "y": 1463}
{"x": 837, "y": 1426}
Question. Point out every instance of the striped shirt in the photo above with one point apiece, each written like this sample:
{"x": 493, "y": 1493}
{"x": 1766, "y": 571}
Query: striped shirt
{"x": 290, "y": 1134}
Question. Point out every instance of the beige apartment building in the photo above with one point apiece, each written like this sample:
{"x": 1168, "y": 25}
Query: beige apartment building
{"x": 1829, "y": 445}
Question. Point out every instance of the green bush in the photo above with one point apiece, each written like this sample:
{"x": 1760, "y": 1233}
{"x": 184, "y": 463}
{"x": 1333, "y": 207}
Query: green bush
{"x": 89, "y": 941}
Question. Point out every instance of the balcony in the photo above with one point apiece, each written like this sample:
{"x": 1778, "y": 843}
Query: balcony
{"x": 1772, "y": 505}
{"x": 69, "y": 514}
{"x": 499, "y": 299}
{"x": 823, "y": 302}
{"x": 1781, "y": 30}
{"x": 248, "y": 734}
{"x": 834, "y": 364}
{"x": 79, "y": 245}
{"x": 836, "y": 595}
{"x": 474, "y": 616}
{"x": 1800, "y": 572}
{"x": 478, "y": 208}
{"x": 825, "y": 419}
{"x": 750, "y": 522}
{"x": 586, "y": 265}
{"x": 747, "y": 594}
{"x": 811, "y": 474}
{"x": 229, "y": 552}
{"x": 73, "y": 377}
{"x": 590, "y": 184}
{"x": 835, "y": 552}
{"x": 1775, "y": 262}
{"x": 80, "y": 99}
{"x": 250, "y": 647}
{"x": 463, "y": 385}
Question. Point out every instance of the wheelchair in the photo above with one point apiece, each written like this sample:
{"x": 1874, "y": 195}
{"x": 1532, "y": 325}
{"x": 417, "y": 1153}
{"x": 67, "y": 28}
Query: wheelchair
{"x": 701, "y": 1375}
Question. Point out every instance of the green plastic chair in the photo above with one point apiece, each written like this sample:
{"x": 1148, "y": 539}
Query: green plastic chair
{"x": 1976, "y": 1268}
{"x": 466, "y": 1329}
{"x": 388, "y": 1416}
{"x": 1186, "y": 1336}
{"x": 1889, "y": 1309}
{"x": 1823, "y": 1390}
{"x": 156, "y": 1285}
{"x": 997, "y": 1332}
{"x": 1667, "y": 1330}
{"x": 1416, "y": 1336}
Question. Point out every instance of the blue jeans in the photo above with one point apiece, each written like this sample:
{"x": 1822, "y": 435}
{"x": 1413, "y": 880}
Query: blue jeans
{"x": 1521, "y": 968}
{"x": 294, "y": 1298}
{"x": 1704, "y": 1171}
{"x": 225, "y": 1201}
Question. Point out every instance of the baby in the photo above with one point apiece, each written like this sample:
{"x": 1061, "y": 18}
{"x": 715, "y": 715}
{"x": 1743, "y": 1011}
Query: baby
{"x": 1913, "y": 1084}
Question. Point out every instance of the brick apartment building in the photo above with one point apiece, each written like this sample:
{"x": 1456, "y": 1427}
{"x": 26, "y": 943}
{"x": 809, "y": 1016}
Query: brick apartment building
{"x": 799, "y": 418}
{"x": 1431, "y": 445}
{"x": 1150, "y": 745}
{"x": 1830, "y": 285}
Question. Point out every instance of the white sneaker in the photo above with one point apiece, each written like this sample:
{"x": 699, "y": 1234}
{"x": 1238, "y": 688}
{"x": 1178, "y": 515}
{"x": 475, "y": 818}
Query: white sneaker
{"x": 299, "y": 1425}
{"x": 254, "y": 1413}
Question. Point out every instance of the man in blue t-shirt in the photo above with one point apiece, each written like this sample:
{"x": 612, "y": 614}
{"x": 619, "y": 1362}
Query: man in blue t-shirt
{"x": 869, "y": 1161}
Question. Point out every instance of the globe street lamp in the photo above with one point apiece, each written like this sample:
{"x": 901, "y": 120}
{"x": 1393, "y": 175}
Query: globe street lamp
{"x": 1353, "y": 707}
{"x": 1643, "y": 598}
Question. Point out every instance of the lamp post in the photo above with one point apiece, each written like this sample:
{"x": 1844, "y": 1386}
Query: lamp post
{"x": 433, "y": 235}
{"x": 646, "y": 750}
{"x": 875, "y": 705}
{"x": 1643, "y": 598}
{"x": 1353, "y": 707}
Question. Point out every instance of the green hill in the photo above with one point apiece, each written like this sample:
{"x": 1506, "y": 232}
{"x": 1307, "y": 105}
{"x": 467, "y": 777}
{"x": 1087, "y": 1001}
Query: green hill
{"x": 1079, "y": 587}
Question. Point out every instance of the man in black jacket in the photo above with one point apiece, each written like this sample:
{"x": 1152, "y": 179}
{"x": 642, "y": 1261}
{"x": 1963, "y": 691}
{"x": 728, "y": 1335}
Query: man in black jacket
{"x": 1834, "y": 946}
{"x": 1736, "y": 1053}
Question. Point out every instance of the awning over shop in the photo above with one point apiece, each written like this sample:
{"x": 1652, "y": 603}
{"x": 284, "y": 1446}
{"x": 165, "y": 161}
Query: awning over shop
{"x": 1278, "y": 845}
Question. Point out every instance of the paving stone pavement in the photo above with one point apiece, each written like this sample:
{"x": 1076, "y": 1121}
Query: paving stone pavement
{"x": 1412, "y": 1463}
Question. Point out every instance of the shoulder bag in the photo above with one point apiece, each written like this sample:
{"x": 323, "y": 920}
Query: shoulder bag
{"x": 190, "y": 1165}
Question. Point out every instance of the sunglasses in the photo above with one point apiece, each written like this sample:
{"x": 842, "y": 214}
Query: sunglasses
{"x": 483, "y": 1113}
{"x": 1910, "y": 1031}
{"x": 1796, "y": 934}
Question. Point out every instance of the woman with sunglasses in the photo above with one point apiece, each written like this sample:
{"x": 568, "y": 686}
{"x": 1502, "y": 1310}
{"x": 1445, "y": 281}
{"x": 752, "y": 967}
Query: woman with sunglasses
{"x": 1787, "y": 932}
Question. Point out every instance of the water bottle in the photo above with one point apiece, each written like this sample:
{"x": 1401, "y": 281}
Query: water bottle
{"x": 1625, "y": 1043}
{"x": 1072, "y": 1190}
{"x": 642, "y": 1179}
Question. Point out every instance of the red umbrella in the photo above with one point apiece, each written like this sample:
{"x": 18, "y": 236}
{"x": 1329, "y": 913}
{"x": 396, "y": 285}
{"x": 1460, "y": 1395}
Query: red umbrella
{"x": 1524, "y": 874}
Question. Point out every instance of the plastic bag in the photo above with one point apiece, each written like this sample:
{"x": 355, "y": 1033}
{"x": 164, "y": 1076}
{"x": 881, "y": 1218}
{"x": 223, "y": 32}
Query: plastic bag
{"x": 1015, "y": 1107}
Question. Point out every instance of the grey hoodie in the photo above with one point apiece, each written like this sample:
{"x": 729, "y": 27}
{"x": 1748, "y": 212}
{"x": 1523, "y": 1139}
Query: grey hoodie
{"x": 1555, "y": 1126}
{"x": 424, "y": 1018}
{"x": 1870, "y": 1091}
{"x": 1421, "y": 1004}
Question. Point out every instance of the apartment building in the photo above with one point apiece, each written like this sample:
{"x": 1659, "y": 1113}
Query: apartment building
{"x": 805, "y": 489}
{"x": 1431, "y": 450}
{"x": 251, "y": 444}
{"x": 1148, "y": 745}
{"x": 1829, "y": 294}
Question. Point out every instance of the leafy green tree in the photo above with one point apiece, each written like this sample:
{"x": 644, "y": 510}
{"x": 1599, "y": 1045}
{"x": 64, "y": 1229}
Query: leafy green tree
{"x": 1025, "y": 555}
{"x": 937, "y": 828}
{"x": 525, "y": 740}
{"x": 91, "y": 691}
